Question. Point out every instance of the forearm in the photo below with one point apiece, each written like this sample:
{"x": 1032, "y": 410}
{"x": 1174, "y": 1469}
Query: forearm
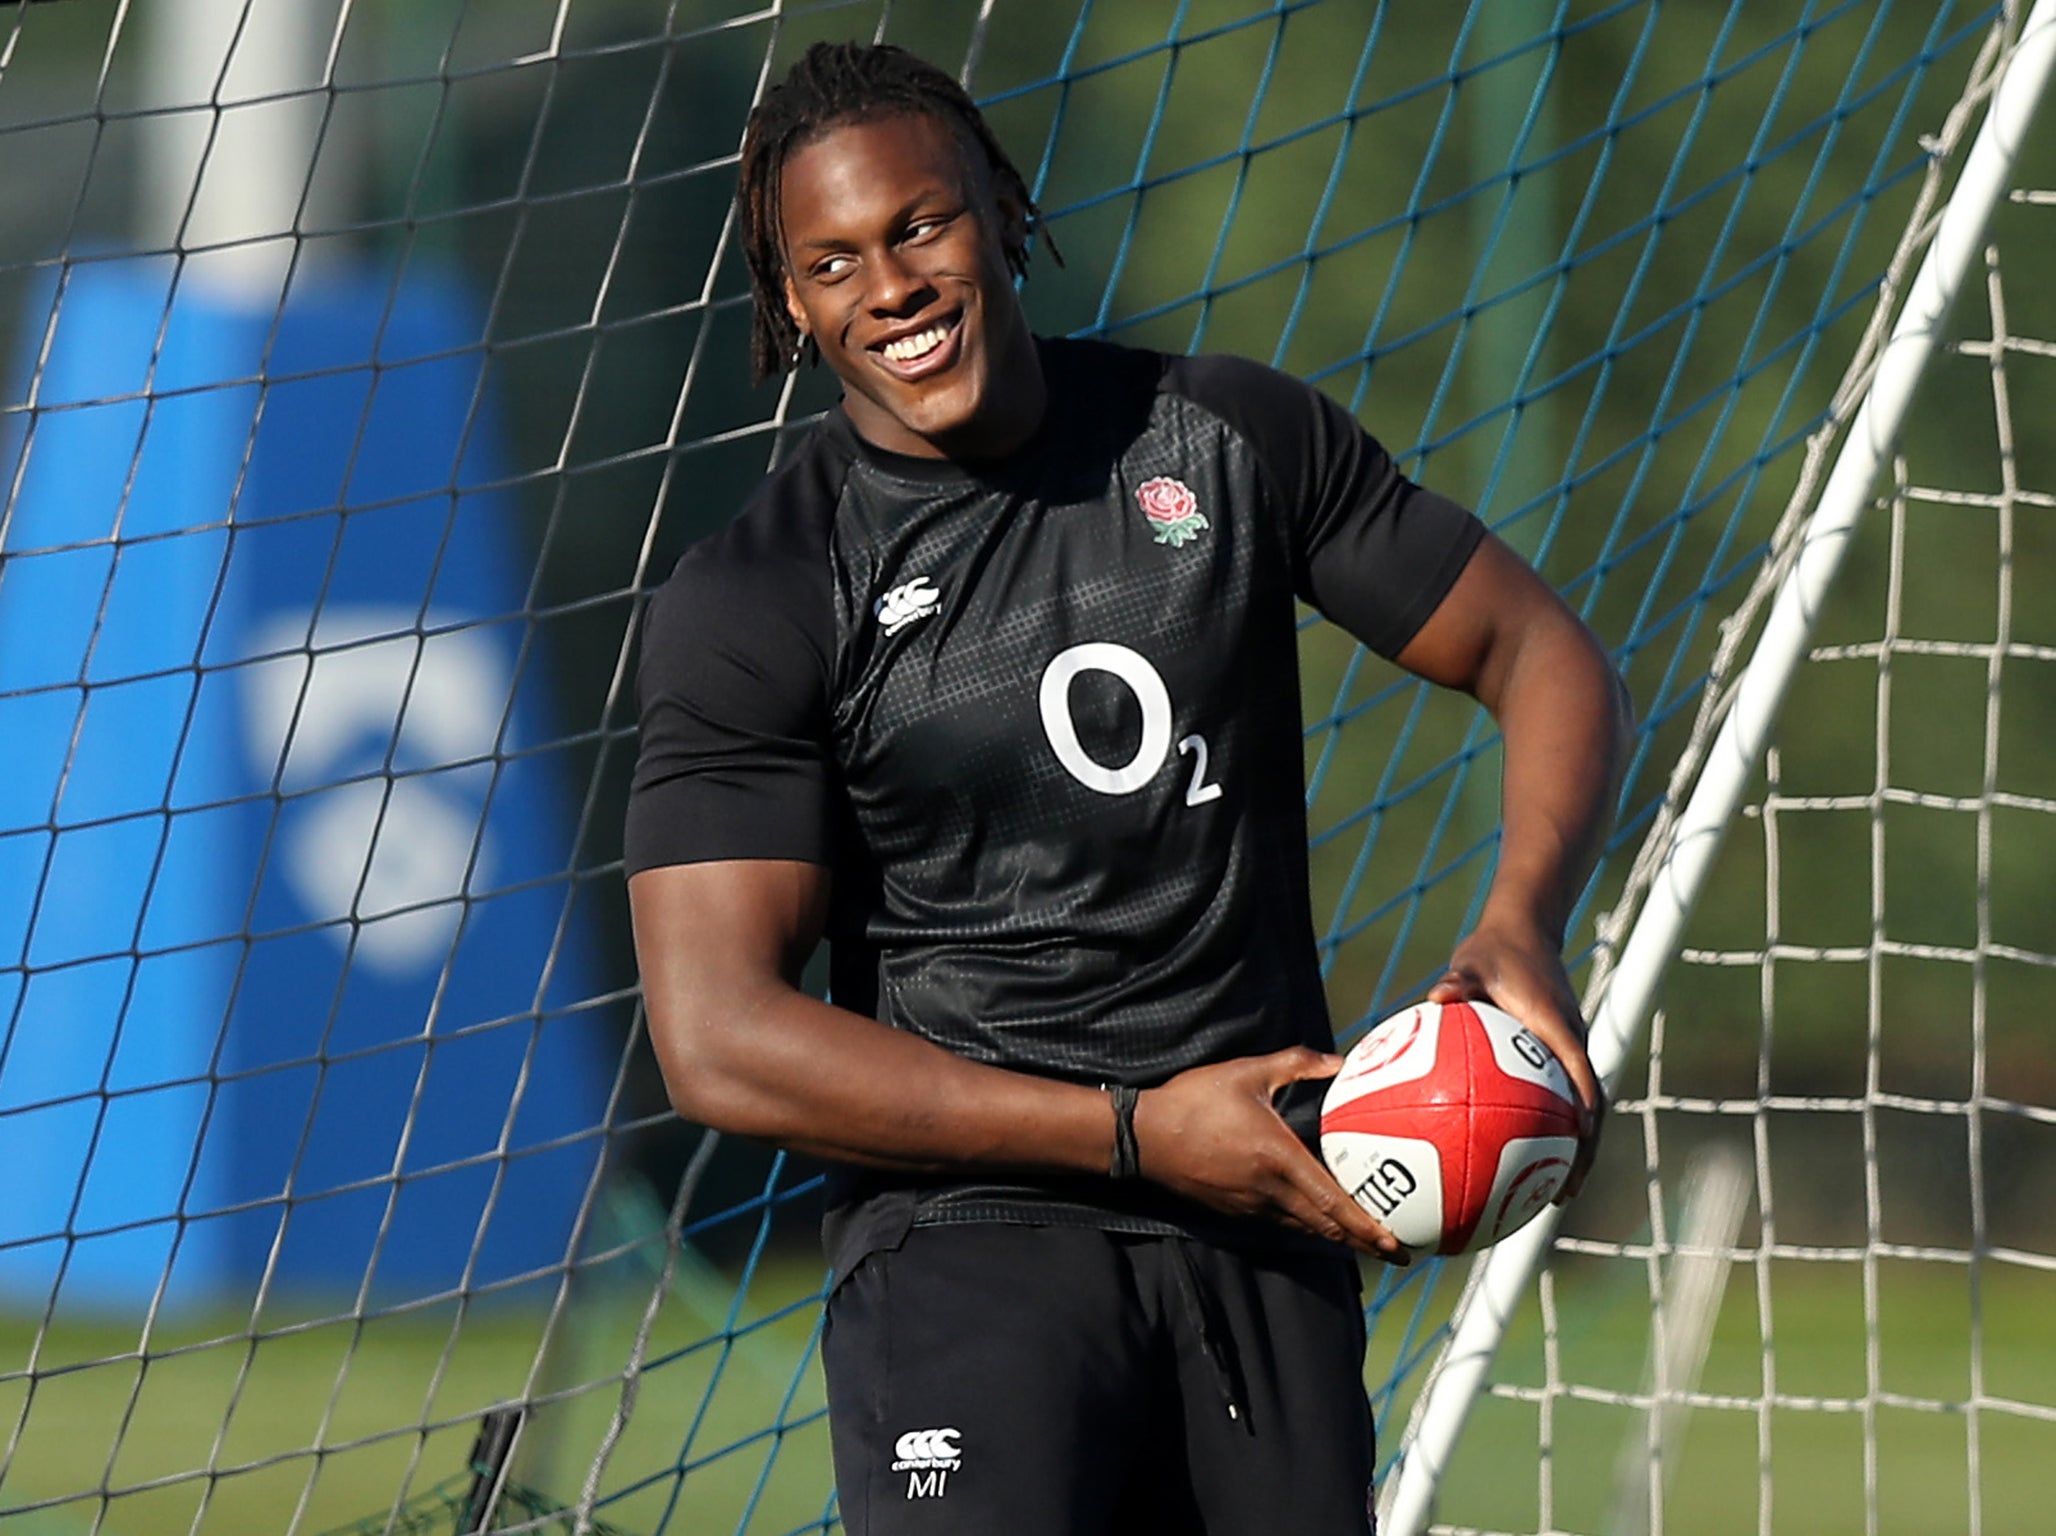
{"x": 1504, "y": 637}
{"x": 1564, "y": 716}
{"x": 785, "y": 1068}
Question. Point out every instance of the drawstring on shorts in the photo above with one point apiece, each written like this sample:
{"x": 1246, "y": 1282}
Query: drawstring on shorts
{"x": 1216, "y": 1339}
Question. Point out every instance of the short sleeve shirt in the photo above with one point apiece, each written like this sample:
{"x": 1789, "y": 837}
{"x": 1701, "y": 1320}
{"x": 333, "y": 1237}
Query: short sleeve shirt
{"x": 1041, "y": 721}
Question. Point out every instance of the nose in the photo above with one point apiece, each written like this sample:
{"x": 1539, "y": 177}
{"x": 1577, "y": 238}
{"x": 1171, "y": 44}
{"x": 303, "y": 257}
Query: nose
{"x": 898, "y": 287}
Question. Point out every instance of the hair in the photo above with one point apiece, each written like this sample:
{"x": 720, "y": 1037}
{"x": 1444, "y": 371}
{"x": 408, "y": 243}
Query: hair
{"x": 834, "y": 84}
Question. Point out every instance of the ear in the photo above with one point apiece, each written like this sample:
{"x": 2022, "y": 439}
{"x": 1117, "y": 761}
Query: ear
{"x": 1013, "y": 220}
{"x": 792, "y": 307}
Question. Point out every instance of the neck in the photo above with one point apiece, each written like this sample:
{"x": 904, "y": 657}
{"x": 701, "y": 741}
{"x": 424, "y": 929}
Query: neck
{"x": 1018, "y": 399}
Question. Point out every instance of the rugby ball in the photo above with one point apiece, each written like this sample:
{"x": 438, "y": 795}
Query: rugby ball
{"x": 1452, "y": 1123}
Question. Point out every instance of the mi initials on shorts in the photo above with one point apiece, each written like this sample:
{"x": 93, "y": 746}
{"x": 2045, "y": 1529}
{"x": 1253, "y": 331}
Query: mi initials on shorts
{"x": 927, "y": 1456}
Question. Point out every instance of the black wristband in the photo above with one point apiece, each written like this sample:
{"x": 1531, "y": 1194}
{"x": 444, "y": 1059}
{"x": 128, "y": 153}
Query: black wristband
{"x": 1127, "y": 1163}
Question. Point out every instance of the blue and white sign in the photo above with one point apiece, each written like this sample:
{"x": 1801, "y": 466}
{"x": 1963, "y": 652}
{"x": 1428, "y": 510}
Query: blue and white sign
{"x": 289, "y": 943}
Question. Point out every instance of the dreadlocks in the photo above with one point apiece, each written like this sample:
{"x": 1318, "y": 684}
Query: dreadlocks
{"x": 831, "y": 85}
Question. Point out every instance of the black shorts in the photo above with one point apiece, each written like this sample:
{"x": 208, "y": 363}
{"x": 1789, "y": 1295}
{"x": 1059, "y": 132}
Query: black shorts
{"x": 1056, "y": 1381}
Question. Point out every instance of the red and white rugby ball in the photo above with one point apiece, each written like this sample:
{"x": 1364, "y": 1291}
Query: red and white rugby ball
{"x": 1453, "y": 1124}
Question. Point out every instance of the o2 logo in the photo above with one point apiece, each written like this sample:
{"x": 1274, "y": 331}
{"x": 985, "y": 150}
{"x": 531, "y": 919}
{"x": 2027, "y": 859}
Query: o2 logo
{"x": 1147, "y": 684}
{"x": 383, "y": 742}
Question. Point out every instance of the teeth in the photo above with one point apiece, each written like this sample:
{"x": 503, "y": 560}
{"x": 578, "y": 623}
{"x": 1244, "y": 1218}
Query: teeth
{"x": 914, "y": 346}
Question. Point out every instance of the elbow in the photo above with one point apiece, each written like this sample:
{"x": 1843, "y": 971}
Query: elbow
{"x": 1580, "y": 653}
{"x": 712, "y": 940}
{"x": 1568, "y": 673}
{"x": 699, "y": 1075}
{"x": 1609, "y": 709}
{"x": 694, "y": 1093}
{"x": 1622, "y": 704}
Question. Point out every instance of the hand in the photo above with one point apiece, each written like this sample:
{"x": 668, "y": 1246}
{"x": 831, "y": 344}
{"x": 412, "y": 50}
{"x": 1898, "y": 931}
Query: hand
{"x": 1211, "y": 1134}
{"x": 1516, "y": 968}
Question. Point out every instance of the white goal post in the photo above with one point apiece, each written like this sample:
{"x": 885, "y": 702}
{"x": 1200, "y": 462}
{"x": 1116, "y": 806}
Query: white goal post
{"x": 1683, "y": 848}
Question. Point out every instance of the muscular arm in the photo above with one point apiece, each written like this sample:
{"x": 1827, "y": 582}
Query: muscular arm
{"x": 744, "y": 1050}
{"x": 1505, "y": 637}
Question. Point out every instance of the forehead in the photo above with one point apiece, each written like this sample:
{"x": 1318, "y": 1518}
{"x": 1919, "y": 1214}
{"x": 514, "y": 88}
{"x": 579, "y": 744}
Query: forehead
{"x": 872, "y": 167}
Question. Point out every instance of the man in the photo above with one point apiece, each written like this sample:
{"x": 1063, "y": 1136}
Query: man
{"x": 994, "y": 684}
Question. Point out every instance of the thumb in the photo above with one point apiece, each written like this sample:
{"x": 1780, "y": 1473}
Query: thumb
{"x": 1298, "y": 1063}
{"x": 1455, "y": 986}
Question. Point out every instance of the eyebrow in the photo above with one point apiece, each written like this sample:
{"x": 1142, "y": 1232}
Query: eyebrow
{"x": 900, "y": 215}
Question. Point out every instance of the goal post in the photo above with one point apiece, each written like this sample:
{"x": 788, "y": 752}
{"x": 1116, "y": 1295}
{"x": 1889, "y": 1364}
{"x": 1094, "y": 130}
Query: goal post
{"x": 1684, "y": 847}
{"x": 364, "y": 364}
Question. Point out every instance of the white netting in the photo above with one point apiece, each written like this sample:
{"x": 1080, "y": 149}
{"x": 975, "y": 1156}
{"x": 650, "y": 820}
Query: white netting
{"x": 1831, "y": 1319}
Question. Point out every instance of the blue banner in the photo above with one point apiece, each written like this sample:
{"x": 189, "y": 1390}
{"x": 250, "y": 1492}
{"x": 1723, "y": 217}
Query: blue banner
{"x": 287, "y": 922}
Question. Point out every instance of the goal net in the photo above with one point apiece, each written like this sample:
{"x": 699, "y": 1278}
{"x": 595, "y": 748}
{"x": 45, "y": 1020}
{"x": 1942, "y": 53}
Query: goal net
{"x": 1871, "y": 1197}
{"x": 365, "y": 363}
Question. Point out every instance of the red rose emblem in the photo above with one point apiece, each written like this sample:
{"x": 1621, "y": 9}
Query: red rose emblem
{"x": 1165, "y": 500}
{"x": 1172, "y": 510}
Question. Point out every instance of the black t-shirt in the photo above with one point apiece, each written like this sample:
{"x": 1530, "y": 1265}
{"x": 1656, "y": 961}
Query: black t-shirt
{"x": 1041, "y": 721}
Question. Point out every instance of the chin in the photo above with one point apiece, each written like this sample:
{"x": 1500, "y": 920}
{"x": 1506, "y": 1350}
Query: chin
{"x": 939, "y": 413}
{"x": 940, "y": 420}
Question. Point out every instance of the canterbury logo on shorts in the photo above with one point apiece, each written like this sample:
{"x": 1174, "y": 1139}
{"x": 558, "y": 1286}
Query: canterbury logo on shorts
{"x": 919, "y": 1449}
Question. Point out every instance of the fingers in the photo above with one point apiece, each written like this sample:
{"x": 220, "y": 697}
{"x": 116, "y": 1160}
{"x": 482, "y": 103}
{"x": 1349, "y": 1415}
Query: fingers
{"x": 1588, "y": 1152}
{"x": 1296, "y": 1064}
{"x": 1550, "y": 1015}
{"x": 1566, "y": 1037}
{"x": 1457, "y": 985}
{"x": 1322, "y": 1206}
{"x": 1212, "y": 1133}
{"x": 1307, "y": 1195}
{"x": 1534, "y": 990}
{"x": 1300, "y": 1192}
{"x": 1568, "y": 1042}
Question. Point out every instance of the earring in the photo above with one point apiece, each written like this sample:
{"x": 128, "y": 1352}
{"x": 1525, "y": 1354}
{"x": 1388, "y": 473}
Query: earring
{"x": 799, "y": 349}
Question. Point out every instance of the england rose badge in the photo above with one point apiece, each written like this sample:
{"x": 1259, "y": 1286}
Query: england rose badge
{"x": 1172, "y": 510}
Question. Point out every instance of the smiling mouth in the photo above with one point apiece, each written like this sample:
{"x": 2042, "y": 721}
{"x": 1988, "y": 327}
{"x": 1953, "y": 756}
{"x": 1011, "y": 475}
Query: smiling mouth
{"x": 926, "y": 351}
{"x": 907, "y": 348}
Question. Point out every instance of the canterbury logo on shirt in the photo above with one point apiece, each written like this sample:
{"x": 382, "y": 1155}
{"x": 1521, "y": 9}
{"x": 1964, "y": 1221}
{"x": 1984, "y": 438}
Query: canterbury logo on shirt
{"x": 908, "y": 601}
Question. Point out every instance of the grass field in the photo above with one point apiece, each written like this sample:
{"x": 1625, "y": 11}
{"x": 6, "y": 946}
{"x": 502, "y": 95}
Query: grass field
{"x": 1815, "y": 1454}
{"x": 705, "y": 1435}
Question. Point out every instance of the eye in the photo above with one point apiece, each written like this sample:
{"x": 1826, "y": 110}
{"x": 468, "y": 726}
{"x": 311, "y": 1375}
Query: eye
{"x": 831, "y": 267}
{"x": 928, "y": 227}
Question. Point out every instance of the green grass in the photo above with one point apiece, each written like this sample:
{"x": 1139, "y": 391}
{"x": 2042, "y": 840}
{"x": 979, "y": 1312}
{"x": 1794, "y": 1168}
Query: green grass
{"x": 395, "y": 1403}
{"x": 1815, "y": 1454}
